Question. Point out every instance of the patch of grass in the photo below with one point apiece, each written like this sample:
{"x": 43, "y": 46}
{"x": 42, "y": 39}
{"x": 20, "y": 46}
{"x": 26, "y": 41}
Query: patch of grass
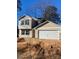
{"x": 39, "y": 49}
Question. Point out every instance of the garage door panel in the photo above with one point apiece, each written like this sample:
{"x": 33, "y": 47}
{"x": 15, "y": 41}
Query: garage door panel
{"x": 48, "y": 34}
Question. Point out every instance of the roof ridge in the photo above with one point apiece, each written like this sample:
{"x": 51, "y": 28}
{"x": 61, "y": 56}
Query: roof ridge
{"x": 40, "y": 24}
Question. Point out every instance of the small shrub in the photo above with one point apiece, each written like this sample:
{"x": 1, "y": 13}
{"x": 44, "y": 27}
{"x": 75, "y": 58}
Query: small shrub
{"x": 21, "y": 40}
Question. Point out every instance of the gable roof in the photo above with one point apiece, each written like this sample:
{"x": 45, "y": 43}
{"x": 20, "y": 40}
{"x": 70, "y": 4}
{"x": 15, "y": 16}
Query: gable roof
{"x": 40, "y": 25}
{"x": 44, "y": 24}
{"x": 21, "y": 17}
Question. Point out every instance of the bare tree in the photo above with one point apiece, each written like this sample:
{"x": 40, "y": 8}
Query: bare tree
{"x": 18, "y": 5}
{"x": 51, "y": 14}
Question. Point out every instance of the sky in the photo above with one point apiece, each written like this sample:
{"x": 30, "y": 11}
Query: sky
{"x": 28, "y": 4}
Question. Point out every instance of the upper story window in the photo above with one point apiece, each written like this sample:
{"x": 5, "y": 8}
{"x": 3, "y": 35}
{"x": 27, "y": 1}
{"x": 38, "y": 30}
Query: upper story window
{"x": 25, "y": 22}
{"x": 22, "y": 22}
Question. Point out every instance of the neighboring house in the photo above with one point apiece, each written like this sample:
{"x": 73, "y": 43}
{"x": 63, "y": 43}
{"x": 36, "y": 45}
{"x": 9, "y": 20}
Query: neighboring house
{"x": 29, "y": 28}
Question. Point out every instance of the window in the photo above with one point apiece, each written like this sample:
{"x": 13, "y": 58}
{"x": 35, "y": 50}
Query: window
{"x": 25, "y": 32}
{"x": 22, "y": 32}
{"x": 26, "y": 22}
{"x": 22, "y": 22}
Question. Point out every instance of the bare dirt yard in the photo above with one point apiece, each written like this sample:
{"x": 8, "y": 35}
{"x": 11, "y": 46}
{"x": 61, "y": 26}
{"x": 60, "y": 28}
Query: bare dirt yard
{"x": 38, "y": 49}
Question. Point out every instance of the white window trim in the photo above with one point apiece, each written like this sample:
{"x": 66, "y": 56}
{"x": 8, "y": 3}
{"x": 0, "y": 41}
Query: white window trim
{"x": 24, "y": 22}
{"x": 25, "y": 31}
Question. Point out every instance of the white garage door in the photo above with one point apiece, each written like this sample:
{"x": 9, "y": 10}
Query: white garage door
{"x": 48, "y": 34}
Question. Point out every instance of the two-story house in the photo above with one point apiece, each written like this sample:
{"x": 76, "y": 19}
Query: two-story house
{"x": 26, "y": 23}
{"x": 29, "y": 28}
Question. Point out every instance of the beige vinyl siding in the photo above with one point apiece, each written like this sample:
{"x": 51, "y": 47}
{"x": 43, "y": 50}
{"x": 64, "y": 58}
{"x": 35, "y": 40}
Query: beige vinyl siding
{"x": 49, "y": 26}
